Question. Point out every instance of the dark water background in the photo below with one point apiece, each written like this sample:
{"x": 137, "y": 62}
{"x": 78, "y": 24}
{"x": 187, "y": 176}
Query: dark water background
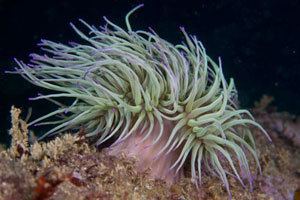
{"x": 257, "y": 40}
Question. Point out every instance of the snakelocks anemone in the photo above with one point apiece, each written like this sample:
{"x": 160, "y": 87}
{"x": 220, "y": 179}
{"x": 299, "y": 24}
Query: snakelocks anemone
{"x": 167, "y": 105}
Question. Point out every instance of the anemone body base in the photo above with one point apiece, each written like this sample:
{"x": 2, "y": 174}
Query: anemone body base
{"x": 147, "y": 155}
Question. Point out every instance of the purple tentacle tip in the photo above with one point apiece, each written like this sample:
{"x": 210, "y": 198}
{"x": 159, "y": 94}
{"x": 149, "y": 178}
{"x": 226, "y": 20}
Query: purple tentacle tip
{"x": 32, "y": 55}
{"x": 41, "y": 43}
{"x": 182, "y": 28}
{"x": 73, "y": 44}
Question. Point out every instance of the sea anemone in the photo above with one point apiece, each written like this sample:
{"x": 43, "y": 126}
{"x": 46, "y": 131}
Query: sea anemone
{"x": 161, "y": 102}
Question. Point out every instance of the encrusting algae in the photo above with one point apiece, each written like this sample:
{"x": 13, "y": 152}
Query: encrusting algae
{"x": 19, "y": 133}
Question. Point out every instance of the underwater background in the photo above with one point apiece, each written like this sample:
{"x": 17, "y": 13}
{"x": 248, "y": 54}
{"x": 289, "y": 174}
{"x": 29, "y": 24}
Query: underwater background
{"x": 258, "y": 42}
